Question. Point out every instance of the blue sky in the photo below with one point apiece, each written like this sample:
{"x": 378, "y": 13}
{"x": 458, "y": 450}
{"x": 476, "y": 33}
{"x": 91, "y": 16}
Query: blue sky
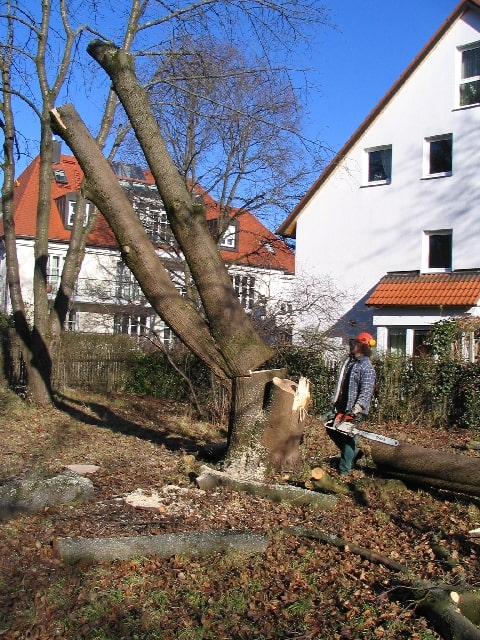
{"x": 356, "y": 63}
{"x": 350, "y": 66}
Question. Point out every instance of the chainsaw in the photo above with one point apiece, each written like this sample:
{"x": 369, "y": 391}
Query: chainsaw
{"x": 348, "y": 428}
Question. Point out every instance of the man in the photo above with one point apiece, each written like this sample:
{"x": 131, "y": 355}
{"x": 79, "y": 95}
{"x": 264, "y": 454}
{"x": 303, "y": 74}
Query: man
{"x": 352, "y": 397}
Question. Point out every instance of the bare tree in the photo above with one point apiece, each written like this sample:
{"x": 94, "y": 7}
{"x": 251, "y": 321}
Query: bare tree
{"x": 232, "y": 125}
{"x": 45, "y": 53}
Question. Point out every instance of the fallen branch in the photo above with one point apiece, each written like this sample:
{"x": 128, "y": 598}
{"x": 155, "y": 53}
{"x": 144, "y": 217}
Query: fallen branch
{"x": 340, "y": 543}
{"x": 200, "y": 543}
{"x": 211, "y": 478}
{"x": 454, "y": 612}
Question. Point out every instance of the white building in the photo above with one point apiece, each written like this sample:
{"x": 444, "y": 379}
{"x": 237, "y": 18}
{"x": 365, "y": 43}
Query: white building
{"x": 107, "y": 298}
{"x": 403, "y": 196}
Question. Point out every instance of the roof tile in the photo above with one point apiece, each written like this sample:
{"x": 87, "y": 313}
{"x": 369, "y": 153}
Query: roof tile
{"x": 258, "y": 246}
{"x": 458, "y": 288}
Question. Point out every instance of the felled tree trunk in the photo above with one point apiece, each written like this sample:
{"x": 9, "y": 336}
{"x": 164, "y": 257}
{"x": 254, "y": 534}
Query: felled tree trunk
{"x": 266, "y": 424}
{"x": 442, "y": 607}
{"x": 428, "y": 467}
{"x": 211, "y": 478}
{"x": 170, "y": 544}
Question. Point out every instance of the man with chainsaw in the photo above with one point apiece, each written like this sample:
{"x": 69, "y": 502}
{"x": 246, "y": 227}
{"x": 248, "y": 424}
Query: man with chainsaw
{"x": 351, "y": 400}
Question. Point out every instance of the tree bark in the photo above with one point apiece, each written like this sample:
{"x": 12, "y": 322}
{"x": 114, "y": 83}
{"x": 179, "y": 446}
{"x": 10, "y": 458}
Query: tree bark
{"x": 231, "y": 328}
{"x": 137, "y": 250}
{"x": 265, "y": 428}
{"x": 210, "y": 478}
{"x": 170, "y": 544}
{"x": 428, "y": 467}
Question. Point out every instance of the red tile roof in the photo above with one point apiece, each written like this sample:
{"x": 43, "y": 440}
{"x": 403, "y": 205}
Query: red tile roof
{"x": 254, "y": 248}
{"x": 456, "y": 289}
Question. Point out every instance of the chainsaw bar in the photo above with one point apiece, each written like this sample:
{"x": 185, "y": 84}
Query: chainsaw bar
{"x": 348, "y": 429}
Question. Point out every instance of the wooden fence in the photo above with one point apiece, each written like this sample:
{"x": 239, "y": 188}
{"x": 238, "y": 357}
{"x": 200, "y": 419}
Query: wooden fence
{"x": 98, "y": 363}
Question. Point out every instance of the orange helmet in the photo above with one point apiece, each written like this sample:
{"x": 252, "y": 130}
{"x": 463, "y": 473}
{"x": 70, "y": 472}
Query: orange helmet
{"x": 366, "y": 338}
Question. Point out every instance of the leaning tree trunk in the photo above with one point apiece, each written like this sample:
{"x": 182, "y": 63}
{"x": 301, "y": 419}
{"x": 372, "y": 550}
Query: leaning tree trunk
{"x": 242, "y": 348}
{"x": 428, "y": 467}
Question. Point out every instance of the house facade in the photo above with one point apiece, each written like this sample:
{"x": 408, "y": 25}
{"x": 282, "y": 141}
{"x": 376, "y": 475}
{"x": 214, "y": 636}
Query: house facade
{"x": 399, "y": 205}
{"x": 107, "y": 297}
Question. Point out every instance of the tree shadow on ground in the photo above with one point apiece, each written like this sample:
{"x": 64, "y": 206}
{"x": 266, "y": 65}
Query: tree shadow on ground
{"x": 100, "y": 415}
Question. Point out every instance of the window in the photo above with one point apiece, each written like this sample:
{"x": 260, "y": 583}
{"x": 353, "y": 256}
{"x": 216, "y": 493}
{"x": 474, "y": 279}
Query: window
{"x": 420, "y": 346}
{"x": 470, "y": 76}
{"x": 72, "y": 207}
{"x": 437, "y": 156}
{"x": 437, "y": 250}
{"x": 132, "y": 325}
{"x": 379, "y": 165}
{"x": 54, "y": 272}
{"x": 128, "y": 288}
{"x": 60, "y": 176}
{"x": 245, "y": 288}
{"x": 67, "y": 205}
{"x": 127, "y": 170}
{"x": 229, "y": 238}
{"x": 397, "y": 340}
{"x": 71, "y": 321}
{"x": 155, "y": 222}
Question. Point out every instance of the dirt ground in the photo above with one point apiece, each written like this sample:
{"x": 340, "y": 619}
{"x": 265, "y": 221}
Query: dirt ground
{"x": 298, "y": 588}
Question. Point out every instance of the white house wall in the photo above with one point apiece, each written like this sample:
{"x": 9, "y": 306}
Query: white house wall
{"x": 357, "y": 233}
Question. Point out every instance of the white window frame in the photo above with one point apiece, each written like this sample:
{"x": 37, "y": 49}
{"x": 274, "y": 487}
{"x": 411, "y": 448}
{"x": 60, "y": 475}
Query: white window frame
{"x": 427, "y": 150}
{"x": 229, "y": 237}
{"x": 54, "y": 271}
{"x": 426, "y": 250}
{"x": 71, "y": 321}
{"x": 366, "y": 166}
{"x": 244, "y": 285}
{"x": 465, "y": 80}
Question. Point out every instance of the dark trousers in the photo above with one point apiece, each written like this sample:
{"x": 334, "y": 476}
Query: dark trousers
{"x": 348, "y": 448}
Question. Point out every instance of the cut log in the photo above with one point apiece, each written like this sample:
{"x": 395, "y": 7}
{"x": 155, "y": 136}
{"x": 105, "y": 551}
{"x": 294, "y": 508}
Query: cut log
{"x": 438, "y": 603}
{"x": 201, "y": 543}
{"x": 443, "y": 612}
{"x": 266, "y": 424}
{"x": 428, "y": 468}
{"x": 320, "y": 481}
{"x": 210, "y": 478}
{"x": 34, "y": 494}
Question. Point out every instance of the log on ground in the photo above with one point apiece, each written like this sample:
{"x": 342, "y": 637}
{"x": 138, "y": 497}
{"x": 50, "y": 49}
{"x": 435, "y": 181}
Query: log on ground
{"x": 425, "y": 467}
{"x": 211, "y": 478}
{"x": 320, "y": 481}
{"x": 200, "y": 543}
{"x": 439, "y": 604}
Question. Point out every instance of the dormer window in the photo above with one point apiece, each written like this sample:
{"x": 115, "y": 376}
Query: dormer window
{"x": 60, "y": 176}
{"x": 67, "y": 205}
{"x": 229, "y": 237}
{"x": 127, "y": 170}
{"x": 469, "y": 90}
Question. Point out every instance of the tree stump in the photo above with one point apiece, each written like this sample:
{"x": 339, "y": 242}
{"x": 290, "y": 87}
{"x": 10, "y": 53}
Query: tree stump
{"x": 266, "y": 424}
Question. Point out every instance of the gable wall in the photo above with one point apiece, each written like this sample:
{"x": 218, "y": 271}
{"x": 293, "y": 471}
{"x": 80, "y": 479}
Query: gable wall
{"x": 355, "y": 233}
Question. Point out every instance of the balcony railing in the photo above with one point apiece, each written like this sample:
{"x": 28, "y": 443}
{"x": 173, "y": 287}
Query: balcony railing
{"x": 101, "y": 291}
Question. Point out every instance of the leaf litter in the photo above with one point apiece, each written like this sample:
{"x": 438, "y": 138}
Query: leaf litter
{"x": 299, "y": 588}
